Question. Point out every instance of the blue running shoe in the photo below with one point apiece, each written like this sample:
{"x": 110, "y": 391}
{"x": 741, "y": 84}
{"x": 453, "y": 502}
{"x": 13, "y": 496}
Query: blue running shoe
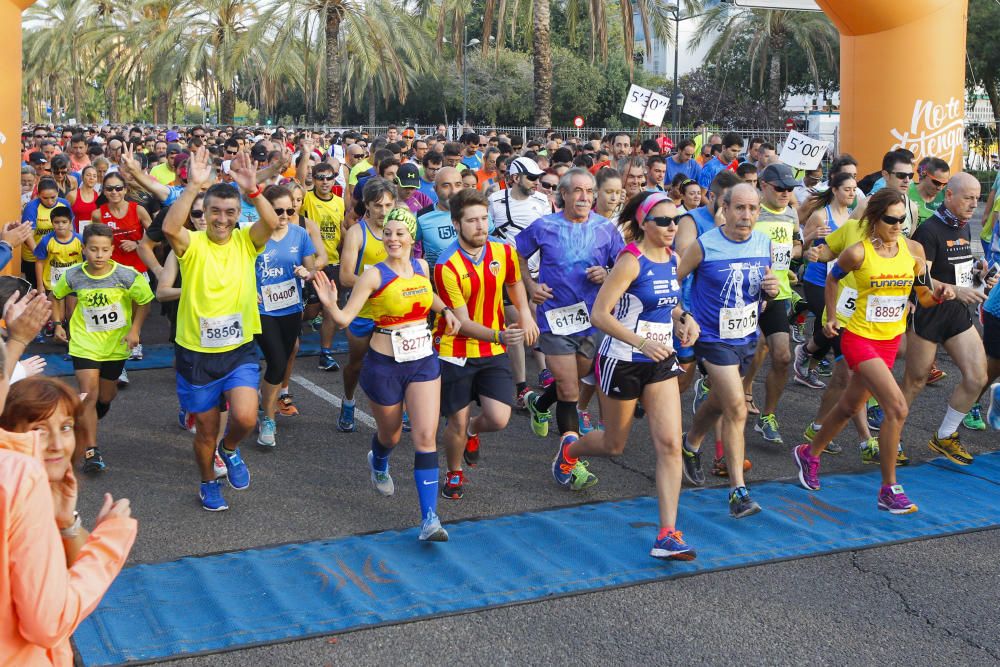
{"x": 562, "y": 466}
{"x": 672, "y": 547}
{"x": 211, "y": 497}
{"x": 93, "y": 461}
{"x": 407, "y": 427}
{"x": 345, "y": 423}
{"x": 993, "y": 412}
{"x": 545, "y": 378}
{"x": 875, "y": 416}
{"x": 586, "y": 423}
{"x": 236, "y": 469}
{"x": 327, "y": 362}
{"x": 431, "y": 529}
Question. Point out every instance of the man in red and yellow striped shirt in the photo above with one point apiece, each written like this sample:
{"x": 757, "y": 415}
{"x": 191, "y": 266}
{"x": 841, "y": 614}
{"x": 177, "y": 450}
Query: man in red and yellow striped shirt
{"x": 470, "y": 276}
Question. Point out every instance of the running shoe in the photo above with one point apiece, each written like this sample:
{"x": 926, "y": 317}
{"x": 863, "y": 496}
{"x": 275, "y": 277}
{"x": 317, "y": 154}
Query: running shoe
{"x": 875, "y": 415}
{"x": 407, "y": 427}
{"x": 692, "y": 464}
{"x": 431, "y": 529}
{"x": 824, "y": 369}
{"x": 993, "y": 412}
{"x": 316, "y": 323}
{"x": 811, "y": 380}
{"x": 453, "y": 482}
{"x": 701, "y": 389}
{"x": 869, "y": 450}
{"x": 136, "y": 353}
{"x": 327, "y": 362}
{"x": 798, "y": 331}
{"x": 210, "y": 494}
{"x": 382, "y": 481}
{"x": 93, "y": 461}
{"x": 345, "y": 423}
{"x": 935, "y": 375}
{"x": 810, "y": 434}
{"x": 236, "y": 469}
{"x": 581, "y": 478}
{"x": 471, "y": 453}
{"x": 286, "y": 406}
{"x": 545, "y": 378}
{"x": 951, "y": 447}
{"x": 185, "y": 420}
{"x": 266, "y": 428}
{"x": 767, "y": 426}
{"x": 219, "y": 466}
{"x": 586, "y": 425}
{"x": 721, "y": 469}
{"x": 893, "y": 500}
{"x": 974, "y": 419}
{"x": 672, "y": 547}
{"x": 800, "y": 361}
{"x": 808, "y": 466}
{"x": 741, "y": 504}
{"x": 520, "y": 402}
{"x": 40, "y": 338}
{"x": 752, "y": 408}
{"x": 901, "y": 458}
{"x": 123, "y": 378}
{"x": 562, "y": 466}
{"x": 539, "y": 419}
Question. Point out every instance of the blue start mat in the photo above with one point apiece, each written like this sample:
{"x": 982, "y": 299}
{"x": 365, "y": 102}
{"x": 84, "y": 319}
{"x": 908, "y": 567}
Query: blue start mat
{"x": 162, "y": 355}
{"x": 268, "y": 595}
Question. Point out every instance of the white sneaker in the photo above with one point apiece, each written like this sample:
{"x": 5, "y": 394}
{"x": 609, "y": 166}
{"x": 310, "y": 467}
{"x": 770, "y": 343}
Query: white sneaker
{"x": 123, "y": 378}
{"x": 219, "y": 466}
{"x": 136, "y": 354}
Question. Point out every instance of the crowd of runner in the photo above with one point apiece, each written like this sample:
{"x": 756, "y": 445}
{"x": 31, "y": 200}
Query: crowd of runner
{"x": 637, "y": 273}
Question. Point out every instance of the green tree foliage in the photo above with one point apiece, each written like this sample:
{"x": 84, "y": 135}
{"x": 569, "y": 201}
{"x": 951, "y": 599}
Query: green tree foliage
{"x": 981, "y": 47}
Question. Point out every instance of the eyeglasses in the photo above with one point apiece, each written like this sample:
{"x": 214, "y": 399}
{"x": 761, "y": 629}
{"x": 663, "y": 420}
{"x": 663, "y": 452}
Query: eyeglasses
{"x": 938, "y": 183}
{"x": 39, "y": 136}
{"x": 548, "y": 185}
{"x": 663, "y": 221}
{"x": 324, "y": 178}
{"x": 197, "y": 214}
{"x": 285, "y": 211}
{"x": 114, "y": 188}
{"x": 892, "y": 220}
{"x": 903, "y": 175}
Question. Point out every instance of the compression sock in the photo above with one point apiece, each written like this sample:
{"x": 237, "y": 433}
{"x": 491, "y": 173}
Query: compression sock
{"x": 567, "y": 418}
{"x": 380, "y": 455}
{"x": 425, "y": 476}
{"x": 548, "y": 397}
{"x": 949, "y": 425}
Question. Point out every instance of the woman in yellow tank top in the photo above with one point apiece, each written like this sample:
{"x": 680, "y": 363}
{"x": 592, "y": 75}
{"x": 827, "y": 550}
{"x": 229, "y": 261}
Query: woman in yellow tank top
{"x": 886, "y": 267}
{"x": 400, "y": 364}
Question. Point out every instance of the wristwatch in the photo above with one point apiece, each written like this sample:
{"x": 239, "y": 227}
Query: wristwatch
{"x": 72, "y": 530}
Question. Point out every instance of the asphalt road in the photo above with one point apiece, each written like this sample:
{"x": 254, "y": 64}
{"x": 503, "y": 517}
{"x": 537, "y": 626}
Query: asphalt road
{"x": 927, "y": 602}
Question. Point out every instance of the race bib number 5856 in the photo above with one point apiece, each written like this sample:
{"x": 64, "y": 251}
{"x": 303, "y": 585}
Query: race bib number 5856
{"x": 222, "y": 331}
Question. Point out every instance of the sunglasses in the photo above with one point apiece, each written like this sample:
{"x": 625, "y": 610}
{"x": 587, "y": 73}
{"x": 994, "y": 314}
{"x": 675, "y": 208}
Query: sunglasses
{"x": 663, "y": 221}
{"x": 39, "y": 136}
{"x": 549, "y": 186}
{"x": 114, "y": 188}
{"x": 324, "y": 178}
{"x": 903, "y": 175}
{"x": 938, "y": 183}
{"x": 892, "y": 220}
{"x": 532, "y": 177}
{"x": 355, "y": 155}
{"x": 778, "y": 188}
{"x": 197, "y": 215}
{"x": 230, "y": 152}
{"x": 285, "y": 211}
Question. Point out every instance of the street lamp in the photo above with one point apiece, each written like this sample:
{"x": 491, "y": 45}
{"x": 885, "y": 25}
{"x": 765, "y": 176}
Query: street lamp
{"x": 679, "y": 101}
{"x": 465, "y": 78}
{"x": 676, "y": 98}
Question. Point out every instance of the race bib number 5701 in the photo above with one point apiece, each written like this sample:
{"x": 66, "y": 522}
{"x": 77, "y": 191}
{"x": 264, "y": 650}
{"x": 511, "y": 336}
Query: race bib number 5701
{"x": 738, "y": 322}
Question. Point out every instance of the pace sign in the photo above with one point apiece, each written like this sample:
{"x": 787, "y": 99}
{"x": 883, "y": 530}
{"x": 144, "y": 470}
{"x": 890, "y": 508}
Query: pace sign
{"x": 647, "y": 106}
{"x": 802, "y": 152}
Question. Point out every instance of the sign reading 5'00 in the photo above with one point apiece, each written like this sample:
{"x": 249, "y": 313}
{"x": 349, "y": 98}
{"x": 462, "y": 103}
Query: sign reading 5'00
{"x": 802, "y": 152}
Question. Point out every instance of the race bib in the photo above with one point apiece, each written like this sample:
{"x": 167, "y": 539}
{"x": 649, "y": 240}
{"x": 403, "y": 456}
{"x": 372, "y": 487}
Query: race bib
{"x": 55, "y": 273}
{"x": 781, "y": 256}
{"x": 963, "y": 273}
{"x": 222, "y": 331}
{"x": 105, "y": 318}
{"x": 280, "y": 295}
{"x": 568, "y": 320}
{"x": 847, "y": 302}
{"x": 660, "y": 332}
{"x": 886, "y": 308}
{"x": 455, "y": 361}
{"x": 411, "y": 343}
{"x": 738, "y": 322}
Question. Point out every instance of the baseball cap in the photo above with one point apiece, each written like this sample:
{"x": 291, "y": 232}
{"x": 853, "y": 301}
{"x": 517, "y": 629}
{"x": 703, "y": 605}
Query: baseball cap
{"x": 173, "y": 135}
{"x": 779, "y": 174}
{"x": 38, "y": 157}
{"x": 259, "y": 152}
{"x": 525, "y": 165}
{"x": 408, "y": 176}
{"x": 174, "y": 147}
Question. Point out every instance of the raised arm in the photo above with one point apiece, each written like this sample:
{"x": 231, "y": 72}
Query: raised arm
{"x": 199, "y": 176}
{"x": 243, "y": 173}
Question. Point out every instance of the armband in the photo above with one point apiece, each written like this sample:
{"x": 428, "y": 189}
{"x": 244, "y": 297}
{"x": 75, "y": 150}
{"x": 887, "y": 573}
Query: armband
{"x": 255, "y": 193}
{"x": 838, "y": 273}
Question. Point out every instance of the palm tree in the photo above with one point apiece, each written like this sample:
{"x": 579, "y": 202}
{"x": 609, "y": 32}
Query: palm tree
{"x": 53, "y": 51}
{"x": 770, "y": 33}
{"x": 542, "y": 63}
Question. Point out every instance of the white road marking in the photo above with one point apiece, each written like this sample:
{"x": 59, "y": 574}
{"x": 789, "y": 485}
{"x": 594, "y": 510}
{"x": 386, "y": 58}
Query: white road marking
{"x": 336, "y": 401}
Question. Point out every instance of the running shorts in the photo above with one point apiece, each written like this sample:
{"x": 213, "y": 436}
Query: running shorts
{"x": 774, "y": 318}
{"x": 204, "y": 377}
{"x": 584, "y": 345}
{"x": 941, "y": 322}
{"x": 724, "y": 354}
{"x": 485, "y": 376}
{"x": 385, "y": 380}
{"x": 276, "y": 341}
{"x": 991, "y": 335}
{"x": 361, "y": 327}
{"x": 858, "y": 349}
{"x": 625, "y": 380}
{"x": 109, "y": 370}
